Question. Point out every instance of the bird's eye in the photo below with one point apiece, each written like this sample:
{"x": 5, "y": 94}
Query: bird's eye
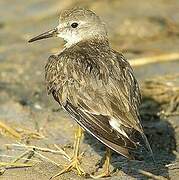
{"x": 74, "y": 25}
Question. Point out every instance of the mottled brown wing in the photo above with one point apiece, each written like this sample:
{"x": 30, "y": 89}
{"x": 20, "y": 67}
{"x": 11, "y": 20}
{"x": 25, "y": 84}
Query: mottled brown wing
{"x": 95, "y": 97}
{"x": 133, "y": 87}
{"x": 99, "y": 127}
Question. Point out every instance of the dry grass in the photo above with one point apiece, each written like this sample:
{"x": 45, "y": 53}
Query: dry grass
{"x": 154, "y": 59}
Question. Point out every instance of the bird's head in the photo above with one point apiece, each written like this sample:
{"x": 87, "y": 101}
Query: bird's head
{"x": 76, "y": 25}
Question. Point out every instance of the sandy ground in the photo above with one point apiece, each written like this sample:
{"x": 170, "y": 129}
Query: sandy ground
{"x": 136, "y": 28}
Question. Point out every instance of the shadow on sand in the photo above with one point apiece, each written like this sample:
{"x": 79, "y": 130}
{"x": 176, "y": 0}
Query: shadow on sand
{"x": 161, "y": 137}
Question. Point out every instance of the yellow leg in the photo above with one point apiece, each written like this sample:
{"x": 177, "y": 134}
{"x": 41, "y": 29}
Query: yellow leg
{"x": 75, "y": 160}
{"x": 106, "y": 171}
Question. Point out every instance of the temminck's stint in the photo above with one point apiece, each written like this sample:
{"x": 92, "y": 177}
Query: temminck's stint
{"x": 95, "y": 85}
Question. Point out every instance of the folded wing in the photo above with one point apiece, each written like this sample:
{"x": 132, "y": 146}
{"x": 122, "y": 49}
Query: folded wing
{"x": 103, "y": 99}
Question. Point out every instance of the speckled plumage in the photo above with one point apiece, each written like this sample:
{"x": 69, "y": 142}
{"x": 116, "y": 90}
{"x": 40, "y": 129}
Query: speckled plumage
{"x": 94, "y": 83}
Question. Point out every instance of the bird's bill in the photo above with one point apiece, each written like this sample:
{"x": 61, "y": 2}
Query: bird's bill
{"x": 45, "y": 35}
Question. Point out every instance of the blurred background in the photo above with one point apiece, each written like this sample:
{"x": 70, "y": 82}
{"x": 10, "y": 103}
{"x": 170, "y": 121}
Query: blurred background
{"x": 146, "y": 32}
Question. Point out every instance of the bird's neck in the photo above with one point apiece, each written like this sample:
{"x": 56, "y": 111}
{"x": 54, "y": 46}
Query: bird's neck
{"x": 91, "y": 39}
{"x": 91, "y": 48}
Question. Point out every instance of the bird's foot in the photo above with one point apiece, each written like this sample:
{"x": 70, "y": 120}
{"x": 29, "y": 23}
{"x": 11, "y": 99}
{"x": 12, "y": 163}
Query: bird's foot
{"x": 105, "y": 173}
{"x": 73, "y": 165}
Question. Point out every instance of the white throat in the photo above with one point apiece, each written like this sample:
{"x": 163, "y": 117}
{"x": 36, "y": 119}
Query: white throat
{"x": 70, "y": 39}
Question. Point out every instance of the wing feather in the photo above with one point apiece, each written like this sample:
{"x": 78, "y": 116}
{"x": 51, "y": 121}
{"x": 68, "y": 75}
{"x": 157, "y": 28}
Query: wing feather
{"x": 94, "y": 94}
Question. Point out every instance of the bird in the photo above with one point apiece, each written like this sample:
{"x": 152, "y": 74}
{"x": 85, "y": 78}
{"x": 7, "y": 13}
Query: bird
{"x": 96, "y": 85}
